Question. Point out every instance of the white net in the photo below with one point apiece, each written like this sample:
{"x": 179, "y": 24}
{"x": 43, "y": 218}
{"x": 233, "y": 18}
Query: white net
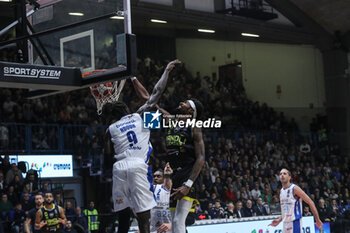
{"x": 106, "y": 93}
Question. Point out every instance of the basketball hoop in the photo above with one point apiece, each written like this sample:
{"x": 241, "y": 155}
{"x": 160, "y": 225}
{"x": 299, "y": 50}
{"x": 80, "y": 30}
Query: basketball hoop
{"x": 105, "y": 92}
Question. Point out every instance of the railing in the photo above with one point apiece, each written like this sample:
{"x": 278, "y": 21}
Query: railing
{"x": 50, "y": 139}
{"x": 85, "y": 140}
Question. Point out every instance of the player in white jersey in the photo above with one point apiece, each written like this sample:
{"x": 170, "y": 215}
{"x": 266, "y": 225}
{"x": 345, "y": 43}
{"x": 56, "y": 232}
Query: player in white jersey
{"x": 291, "y": 198}
{"x": 160, "y": 214}
{"x": 128, "y": 141}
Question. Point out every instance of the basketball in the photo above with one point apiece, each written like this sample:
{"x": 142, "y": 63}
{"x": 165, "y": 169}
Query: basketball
{"x": 102, "y": 91}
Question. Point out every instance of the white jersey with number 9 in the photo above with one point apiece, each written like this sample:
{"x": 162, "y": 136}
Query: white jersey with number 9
{"x": 128, "y": 134}
{"x": 132, "y": 176}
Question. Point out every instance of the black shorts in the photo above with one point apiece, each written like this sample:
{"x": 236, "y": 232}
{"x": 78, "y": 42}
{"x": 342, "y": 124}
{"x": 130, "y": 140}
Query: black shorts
{"x": 179, "y": 178}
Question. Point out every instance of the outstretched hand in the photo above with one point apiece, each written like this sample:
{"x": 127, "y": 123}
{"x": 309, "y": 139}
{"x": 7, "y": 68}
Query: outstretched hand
{"x": 172, "y": 64}
{"x": 319, "y": 224}
{"x": 164, "y": 228}
{"x": 274, "y": 222}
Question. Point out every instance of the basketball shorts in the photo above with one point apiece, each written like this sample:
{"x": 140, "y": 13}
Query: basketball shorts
{"x": 180, "y": 177}
{"x": 293, "y": 227}
{"x": 132, "y": 185}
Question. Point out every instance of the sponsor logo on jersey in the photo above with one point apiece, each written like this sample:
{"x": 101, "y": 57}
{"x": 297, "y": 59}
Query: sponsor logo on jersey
{"x": 119, "y": 201}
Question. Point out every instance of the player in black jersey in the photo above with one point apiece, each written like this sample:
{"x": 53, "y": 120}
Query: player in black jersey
{"x": 186, "y": 156}
{"x": 51, "y": 217}
{"x": 30, "y": 220}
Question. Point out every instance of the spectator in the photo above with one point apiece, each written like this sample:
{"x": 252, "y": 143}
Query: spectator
{"x": 33, "y": 184}
{"x": 45, "y": 188}
{"x": 5, "y": 206}
{"x": 239, "y": 210}
{"x": 68, "y": 228}
{"x": 17, "y": 218}
{"x": 27, "y": 203}
{"x": 218, "y": 187}
{"x": 17, "y": 184}
{"x": 274, "y": 184}
{"x": 255, "y": 193}
{"x": 307, "y": 211}
{"x": 217, "y": 211}
{"x": 249, "y": 210}
{"x": 267, "y": 206}
{"x": 204, "y": 197}
{"x": 5, "y": 165}
{"x": 92, "y": 215}
{"x": 2, "y": 182}
{"x": 230, "y": 194}
{"x": 4, "y": 136}
{"x": 12, "y": 195}
{"x": 80, "y": 219}
{"x": 58, "y": 199}
{"x": 275, "y": 206}
{"x": 325, "y": 213}
{"x": 10, "y": 175}
{"x": 69, "y": 211}
{"x": 260, "y": 209}
{"x": 244, "y": 193}
{"x": 199, "y": 214}
{"x": 230, "y": 211}
{"x": 335, "y": 208}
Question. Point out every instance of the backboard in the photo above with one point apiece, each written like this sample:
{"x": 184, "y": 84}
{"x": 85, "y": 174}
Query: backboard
{"x": 81, "y": 36}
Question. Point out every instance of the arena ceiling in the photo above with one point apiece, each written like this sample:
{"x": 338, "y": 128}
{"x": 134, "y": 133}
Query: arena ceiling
{"x": 333, "y": 15}
{"x": 314, "y": 19}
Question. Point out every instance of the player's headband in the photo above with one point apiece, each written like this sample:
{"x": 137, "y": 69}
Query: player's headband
{"x": 193, "y": 106}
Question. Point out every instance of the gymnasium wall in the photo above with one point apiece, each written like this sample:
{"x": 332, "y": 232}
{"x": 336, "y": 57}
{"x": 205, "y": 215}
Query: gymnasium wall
{"x": 298, "y": 69}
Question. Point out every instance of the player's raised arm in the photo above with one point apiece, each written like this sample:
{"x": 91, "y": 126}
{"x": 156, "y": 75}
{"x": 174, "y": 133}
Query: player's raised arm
{"x": 167, "y": 177}
{"x": 141, "y": 91}
{"x": 158, "y": 88}
{"x": 300, "y": 193}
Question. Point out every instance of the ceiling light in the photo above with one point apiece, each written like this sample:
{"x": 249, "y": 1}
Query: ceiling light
{"x": 206, "y": 30}
{"x": 5, "y": 0}
{"x": 249, "y": 34}
{"x": 158, "y": 21}
{"x": 117, "y": 17}
{"x": 76, "y": 13}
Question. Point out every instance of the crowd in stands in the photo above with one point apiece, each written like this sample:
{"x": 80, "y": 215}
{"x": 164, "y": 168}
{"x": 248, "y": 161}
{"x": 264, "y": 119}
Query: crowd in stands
{"x": 240, "y": 178}
{"x": 17, "y": 200}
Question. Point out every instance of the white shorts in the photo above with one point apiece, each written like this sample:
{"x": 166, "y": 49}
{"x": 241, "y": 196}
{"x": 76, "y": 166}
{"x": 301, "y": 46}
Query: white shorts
{"x": 293, "y": 227}
{"x": 132, "y": 185}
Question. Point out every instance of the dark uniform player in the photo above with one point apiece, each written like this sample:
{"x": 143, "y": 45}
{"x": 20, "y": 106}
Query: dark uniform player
{"x": 181, "y": 155}
{"x": 50, "y": 218}
{"x": 186, "y": 156}
{"x": 30, "y": 220}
